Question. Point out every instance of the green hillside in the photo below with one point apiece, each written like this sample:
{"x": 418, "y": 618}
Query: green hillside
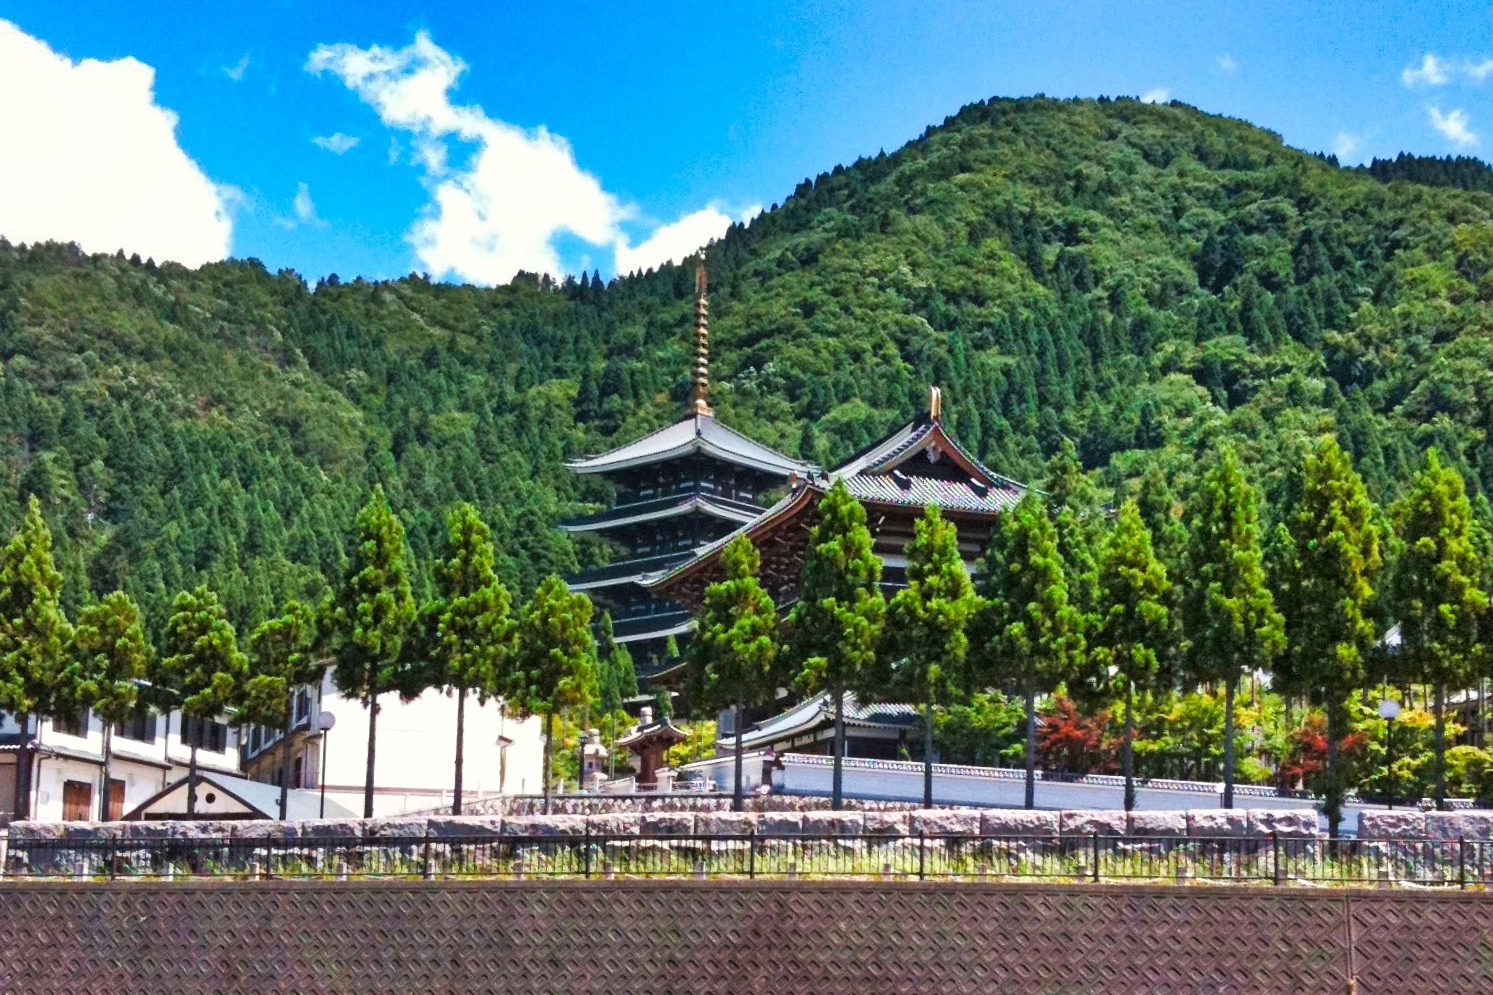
{"x": 1143, "y": 279}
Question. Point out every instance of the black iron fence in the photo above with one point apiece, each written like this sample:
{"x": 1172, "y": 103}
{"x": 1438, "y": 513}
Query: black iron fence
{"x": 1269, "y": 860}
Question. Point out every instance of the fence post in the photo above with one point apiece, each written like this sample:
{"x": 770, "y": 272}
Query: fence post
{"x": 752, "y": 852}
{"x": 922, "y": 852}
{"x": 425, "y": 869}
{"x": 1096, "y": 857}
{"x": 586, "y": 863}
{"x": 1280, "y": 876}
{"x": 1462, "y": 863}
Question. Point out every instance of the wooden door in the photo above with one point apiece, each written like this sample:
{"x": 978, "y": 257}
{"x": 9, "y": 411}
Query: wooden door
{"x": 116, "y": 800}
{"x": 77, "y": 801}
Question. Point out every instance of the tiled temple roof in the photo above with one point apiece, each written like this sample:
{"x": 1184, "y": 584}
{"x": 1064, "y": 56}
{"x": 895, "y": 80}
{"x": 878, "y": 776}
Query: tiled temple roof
{"x": 917, "y": 465}
{"x": 818, "y": 710}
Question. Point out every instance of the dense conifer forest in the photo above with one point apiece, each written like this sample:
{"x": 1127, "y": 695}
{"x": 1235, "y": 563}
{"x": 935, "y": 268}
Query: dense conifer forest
{"x": 1145, "y": 280}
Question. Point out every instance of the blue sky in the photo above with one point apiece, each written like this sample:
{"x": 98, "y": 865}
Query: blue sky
{"x": 498, "y": 135}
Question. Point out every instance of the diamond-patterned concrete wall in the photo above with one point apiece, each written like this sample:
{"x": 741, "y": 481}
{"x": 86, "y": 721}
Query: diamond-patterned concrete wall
{"x": 702, "y": 936}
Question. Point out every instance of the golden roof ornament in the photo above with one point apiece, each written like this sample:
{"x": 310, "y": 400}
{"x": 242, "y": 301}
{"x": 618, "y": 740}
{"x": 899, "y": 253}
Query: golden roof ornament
{"x": 701, "y": 373}
{"x": 935, "y": 403}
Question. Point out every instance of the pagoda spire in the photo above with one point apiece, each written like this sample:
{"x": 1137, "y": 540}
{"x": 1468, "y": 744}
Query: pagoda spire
{"x": 701, "y": 373}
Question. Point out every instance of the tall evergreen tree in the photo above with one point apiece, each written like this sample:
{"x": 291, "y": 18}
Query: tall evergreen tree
{"x": 1229, "y": 618}
{"x": 611, "y": 659}
{"x": 555, "y": 660}
{"x": 1077, "y": 523}
{"x": 1134, "y": 619}
{"x": 1434, "y": 589}
{"x": 735, "y": 645}
{"x": 111, "y": 656}
{"x": 1026, "y": 632}
{"x": 34, "y": 635}
{"x": 282, "y": 658}
{"x": 1326, "y": 559}
{"x": 472, "y": 649}
{"x": 201, "y": 663}
{"x": 837, "y": 621}
{"x": 925, "y": 641}
{"x": 368, "y": 617}
{"x": 1165, "y": 518}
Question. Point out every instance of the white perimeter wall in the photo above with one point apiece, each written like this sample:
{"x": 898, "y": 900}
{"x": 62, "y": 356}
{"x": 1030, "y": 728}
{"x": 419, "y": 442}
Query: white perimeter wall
{"x": 416, "y": 757}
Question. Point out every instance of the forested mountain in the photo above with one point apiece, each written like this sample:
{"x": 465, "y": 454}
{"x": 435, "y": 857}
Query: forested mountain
{"x": 1143, "y": 279}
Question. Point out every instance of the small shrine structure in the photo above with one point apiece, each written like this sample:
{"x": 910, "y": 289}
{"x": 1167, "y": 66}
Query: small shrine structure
{"x": 647, "y": 742}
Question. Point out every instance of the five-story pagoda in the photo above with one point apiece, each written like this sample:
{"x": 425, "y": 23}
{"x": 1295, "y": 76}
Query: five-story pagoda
{"x": 677, "y": 490}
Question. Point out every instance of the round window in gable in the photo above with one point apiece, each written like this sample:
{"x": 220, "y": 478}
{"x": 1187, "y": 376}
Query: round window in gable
{"x": 210, "y": 797}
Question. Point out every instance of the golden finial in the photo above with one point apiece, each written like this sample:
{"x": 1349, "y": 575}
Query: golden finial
{"x": 701, "y": 374}
{"x": 935, "y": 403}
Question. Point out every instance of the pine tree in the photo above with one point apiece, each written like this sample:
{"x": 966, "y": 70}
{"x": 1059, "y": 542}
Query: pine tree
{"x": 1026, "y": 631}
{"x": 1229, "y": 617}
{"x": 1434, "y": 589}
{"x": 282, "y": 658}
{"x": 555, "y": 660}
{"x": 1326, "y": 558}
{"x": 837, "y": 621}
{"x": 1133, "y": 620}
{"x": 735, "y": 647}
{"x": 472, "y": 648}
{"x": 368, "y": 618}
{"x": 925, "y": 641}
{"x": 111, "y": 656}
{"x": 201, "y": 663}
{"x": 34, "y": 635}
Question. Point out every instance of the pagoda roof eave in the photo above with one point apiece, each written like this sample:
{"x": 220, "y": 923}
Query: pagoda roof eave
{"x": 698, "y": 433}
{"x": 653, "y": 511}
{"x": 677, "y": 629}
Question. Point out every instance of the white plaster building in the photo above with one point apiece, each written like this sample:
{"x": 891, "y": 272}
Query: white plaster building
{"x": 416, "y": 751}
{"x": 67, "y": 762}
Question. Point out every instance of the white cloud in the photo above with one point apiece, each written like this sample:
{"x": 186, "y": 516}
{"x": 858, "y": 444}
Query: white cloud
{"x": 91, "y": 158}
{"x": 1452, "y": 125}
{"x": 1431, "y": 71}
{"x": 673, "y": 242}
{"x": 1156, "y": 96}
{"x": 500, "y": 195}
{"x": 336, "y": 143}
{"x": 1345, "y": 146}
{"x": 1226, "y": 63}
{"x": 235, "y": 72}
{"x": 518, "y": 190}
{"x": 1481, "y": 71}
{"x": 305, "y": 210}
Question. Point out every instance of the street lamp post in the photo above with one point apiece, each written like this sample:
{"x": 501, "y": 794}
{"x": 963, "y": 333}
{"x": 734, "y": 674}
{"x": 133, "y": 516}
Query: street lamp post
{"x": 1389, "y": 710}
{"x": 324, "y": 723}
{"x": 580, "y": 778}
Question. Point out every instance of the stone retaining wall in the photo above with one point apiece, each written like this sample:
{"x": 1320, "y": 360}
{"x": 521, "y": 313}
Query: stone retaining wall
{"x": 1415, "y": 825}
{"x": 1252, "y": 823}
